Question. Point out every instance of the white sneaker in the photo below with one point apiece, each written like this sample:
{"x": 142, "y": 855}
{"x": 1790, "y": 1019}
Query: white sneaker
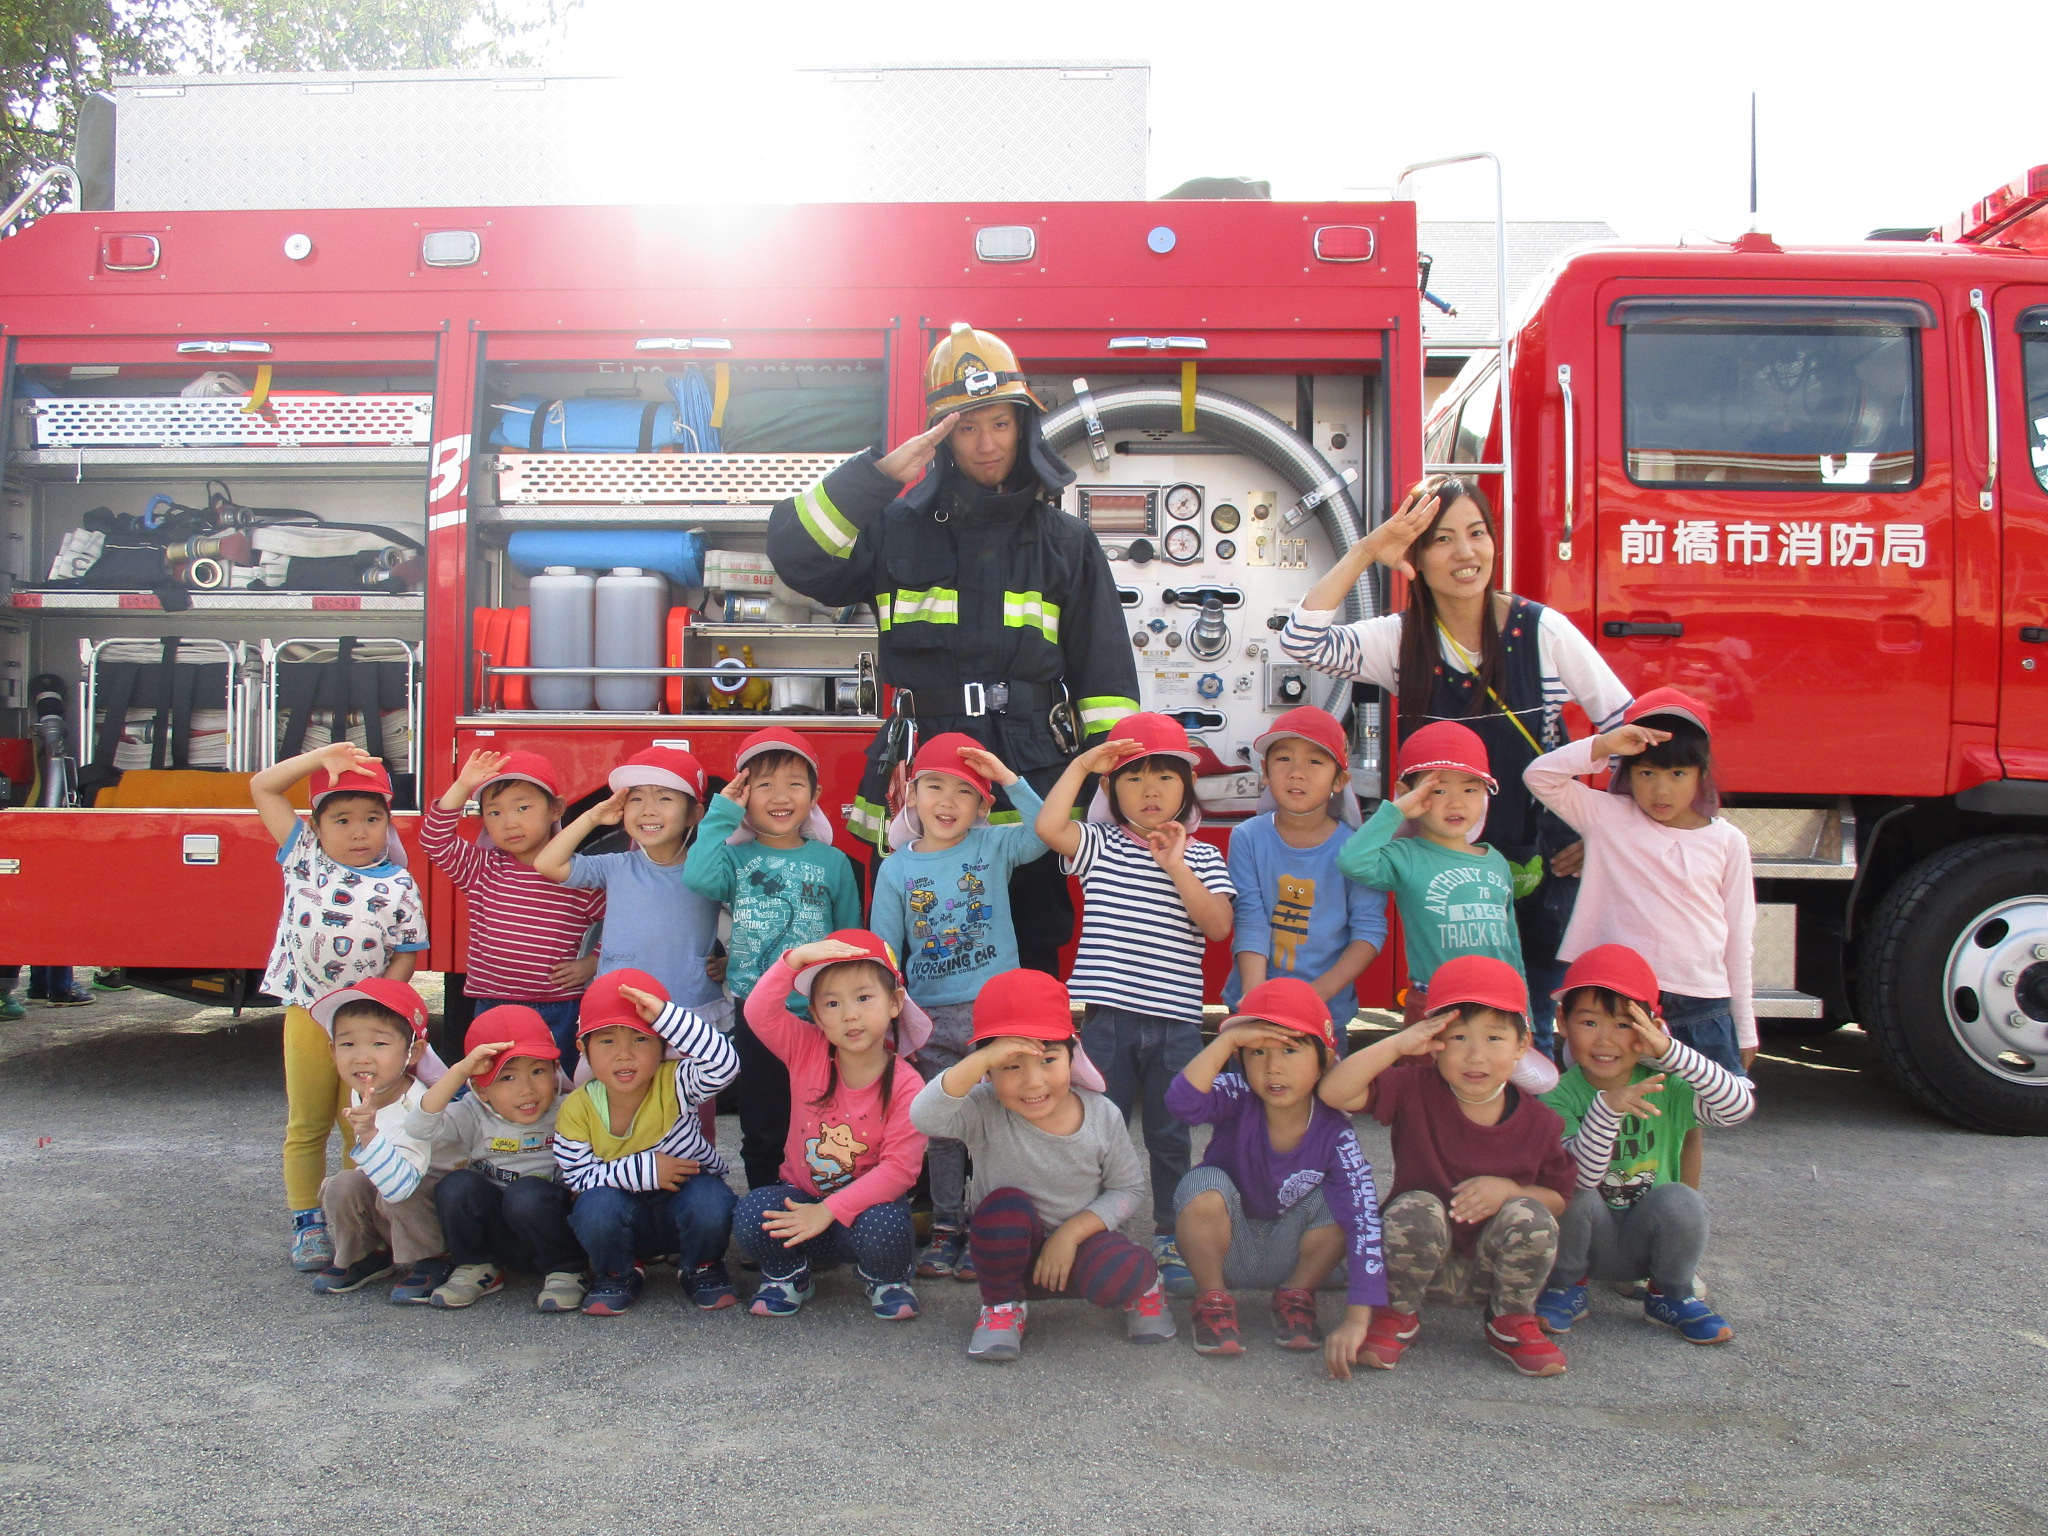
{"x": 466, "y": 1285}
{"x": 562, "y": 1291}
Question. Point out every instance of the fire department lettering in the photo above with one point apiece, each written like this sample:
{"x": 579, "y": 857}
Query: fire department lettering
{"x": 1697, "y": 541}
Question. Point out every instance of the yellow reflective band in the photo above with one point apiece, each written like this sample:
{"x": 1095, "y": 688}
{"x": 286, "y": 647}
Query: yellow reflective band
{"x": 1187, "y": 397}
{"x": 721, "y": 391}
{"x": 833, "y": 533}
{"x": 1030, "y": 610}
{"x": 868, "y": 821}
{"x": 1101, "y": 713}
{"x": 934, "y": 605}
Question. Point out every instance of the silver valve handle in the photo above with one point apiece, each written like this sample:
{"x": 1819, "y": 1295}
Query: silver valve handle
{"x": 1091, "y": 421}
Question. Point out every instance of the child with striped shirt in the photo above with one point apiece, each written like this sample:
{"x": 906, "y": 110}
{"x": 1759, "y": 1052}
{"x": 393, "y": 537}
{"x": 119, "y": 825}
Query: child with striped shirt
{"x": 525, "y": 931}
{"x": 1152, "y": 897}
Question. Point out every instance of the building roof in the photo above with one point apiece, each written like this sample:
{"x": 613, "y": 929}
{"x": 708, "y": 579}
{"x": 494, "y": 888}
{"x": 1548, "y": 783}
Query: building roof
{"x": 1463, "y": 274}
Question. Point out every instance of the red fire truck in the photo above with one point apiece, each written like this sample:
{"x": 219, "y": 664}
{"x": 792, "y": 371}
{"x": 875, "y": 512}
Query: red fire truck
{"x": 1811, "y": 486}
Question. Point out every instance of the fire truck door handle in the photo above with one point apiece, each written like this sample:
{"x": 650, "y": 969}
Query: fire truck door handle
{"x": 1571, "y": 463}
{"x": 1158, "y": 343}
{"x": 1985, "y": 501}
{"x": 260, "y": 347}
{"x": 1617, "y": 629}
{"x": 2034, "y": 634}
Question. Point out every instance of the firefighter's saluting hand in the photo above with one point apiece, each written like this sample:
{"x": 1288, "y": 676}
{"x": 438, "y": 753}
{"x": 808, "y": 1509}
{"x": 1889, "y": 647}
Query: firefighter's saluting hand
{"x": 997, "y": 612}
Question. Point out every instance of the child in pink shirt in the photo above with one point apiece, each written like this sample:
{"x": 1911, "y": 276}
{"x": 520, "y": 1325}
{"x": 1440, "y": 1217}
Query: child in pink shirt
{"x": 852, "y": 1154}
{"x": 1664, "y": 875}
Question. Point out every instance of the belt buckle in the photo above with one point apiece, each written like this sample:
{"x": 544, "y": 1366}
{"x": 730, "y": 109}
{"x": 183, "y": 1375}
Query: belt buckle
{"x": 974, "y": 699}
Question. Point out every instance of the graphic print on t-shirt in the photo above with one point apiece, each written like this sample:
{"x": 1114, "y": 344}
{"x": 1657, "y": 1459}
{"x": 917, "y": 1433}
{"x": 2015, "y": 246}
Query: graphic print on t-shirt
{"x": 1474, "y": 910}
{"x": 830, "y": 1155}
{"x": 1632, "y": 1172}
{"x": 949, "y": 931}
{"x": 1297, "y": 1186}
{"x": 779, "y": 906}
{"x": 1293, "y": 902}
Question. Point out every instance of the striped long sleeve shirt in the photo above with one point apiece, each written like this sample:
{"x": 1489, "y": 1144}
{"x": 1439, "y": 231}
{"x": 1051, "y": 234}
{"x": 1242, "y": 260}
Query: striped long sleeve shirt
{"x": 1622, "y": 1156}
{"x": 395, "y": 1160}
{"x": 590, "y": 1154}
{"x": 521, "y": 926}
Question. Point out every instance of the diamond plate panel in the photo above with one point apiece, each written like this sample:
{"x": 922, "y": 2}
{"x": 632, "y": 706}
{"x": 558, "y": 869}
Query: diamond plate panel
{"x": 286, "y": 421}
{"x": 630, "y": 479}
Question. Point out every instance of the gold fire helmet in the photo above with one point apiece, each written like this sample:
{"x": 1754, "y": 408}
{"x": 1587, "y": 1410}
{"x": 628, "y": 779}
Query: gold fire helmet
{"x": 970, "y": 368}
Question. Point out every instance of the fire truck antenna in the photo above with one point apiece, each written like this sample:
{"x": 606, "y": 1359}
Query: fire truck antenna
{"x": 1752, "y": 162}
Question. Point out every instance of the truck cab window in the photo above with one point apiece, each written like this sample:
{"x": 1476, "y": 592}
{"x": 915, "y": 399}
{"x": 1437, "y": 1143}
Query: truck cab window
{"x": 2034, "y": 347}
{"x": 1724, "y": 402}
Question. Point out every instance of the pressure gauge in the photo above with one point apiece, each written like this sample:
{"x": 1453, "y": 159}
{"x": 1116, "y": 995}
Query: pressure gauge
{"x": 1184, "y": 502}
{"x": 1224, "y": 519}
{"x": 1226, "y": 549}
{"x": 1183, "y": 544}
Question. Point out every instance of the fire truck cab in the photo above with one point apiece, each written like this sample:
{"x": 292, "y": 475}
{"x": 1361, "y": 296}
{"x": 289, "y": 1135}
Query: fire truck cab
{"x": 1810, "y": 486}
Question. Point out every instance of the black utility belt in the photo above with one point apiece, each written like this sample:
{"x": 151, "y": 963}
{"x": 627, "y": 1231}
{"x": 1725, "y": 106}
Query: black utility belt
{"x": 976, "y": 699}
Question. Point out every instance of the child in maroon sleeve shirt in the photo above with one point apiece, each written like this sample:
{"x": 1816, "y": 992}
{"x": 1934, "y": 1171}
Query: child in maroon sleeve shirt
{"x": 1480, "y": 1171}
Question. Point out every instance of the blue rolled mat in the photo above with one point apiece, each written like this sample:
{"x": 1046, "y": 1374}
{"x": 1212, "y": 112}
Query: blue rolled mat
{"x": 677, "y": 555}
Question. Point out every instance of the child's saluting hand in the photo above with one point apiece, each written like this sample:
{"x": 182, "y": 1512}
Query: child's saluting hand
{"x": 1104, "y": 757}
{"x": 342, "y": 756}
{"x": 1627, "y": 741}
{"x": 479, "y": 1060}
{"x": 1420, "y": 1038}
{"x": 988, "y": 765}
{"x": 481, "y": 768}
{"x": 1414, "y": 802}
{"x": 820, "y": 951}
{"x": 646, "y": 1004}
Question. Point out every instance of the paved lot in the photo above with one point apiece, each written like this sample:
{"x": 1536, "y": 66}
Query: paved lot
{"x": 164, "y": 1370}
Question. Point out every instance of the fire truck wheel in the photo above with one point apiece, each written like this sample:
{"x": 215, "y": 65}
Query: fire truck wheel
{"x": 1954, "y": 982}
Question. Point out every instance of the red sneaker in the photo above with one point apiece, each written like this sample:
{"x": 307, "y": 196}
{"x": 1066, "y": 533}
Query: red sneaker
{"x": 1387, "y": 1336}
{"x": 1294, "y": 1318}
{"x": 1520, "y": 1340}
{"x": 1216, "y": 1331}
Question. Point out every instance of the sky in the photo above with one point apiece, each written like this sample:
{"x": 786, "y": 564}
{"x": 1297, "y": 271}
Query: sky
{"x": 1636, "y": 114}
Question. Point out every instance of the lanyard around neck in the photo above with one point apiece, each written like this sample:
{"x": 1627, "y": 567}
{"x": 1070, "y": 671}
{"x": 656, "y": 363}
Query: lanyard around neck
{"x": 1471, "y": 665}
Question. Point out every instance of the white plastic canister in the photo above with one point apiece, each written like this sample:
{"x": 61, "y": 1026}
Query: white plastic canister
{"x": 561, "y": 597}
{"x": 632, "y": 610}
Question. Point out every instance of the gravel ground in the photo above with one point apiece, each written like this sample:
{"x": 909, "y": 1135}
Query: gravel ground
{"x": 165, "y": 1370}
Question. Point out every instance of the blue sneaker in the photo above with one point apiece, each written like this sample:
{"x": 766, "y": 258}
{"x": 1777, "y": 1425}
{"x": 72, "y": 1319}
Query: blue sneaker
{"x": 1173, "y": 1270}
{"x": 1562, "y": 1305}
{"x": 10, "y": 1008}
{"x": 611, "y": 1295}
{"x": 892, "y": 1300}
{"x": 710, "y": 1287}
{"x": 1696, "y": 1322}
{"x": 416, "y": 1286}
{"x": 783, "y": 1298}
{"x": 336, "y": 1281}
{"x": 312, "y": 1247}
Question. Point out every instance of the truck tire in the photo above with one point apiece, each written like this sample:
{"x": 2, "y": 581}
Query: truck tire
{"x": 1954, "y": 983}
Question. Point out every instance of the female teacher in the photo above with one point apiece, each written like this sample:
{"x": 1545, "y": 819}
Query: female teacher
{"x": 1464, "y": 650}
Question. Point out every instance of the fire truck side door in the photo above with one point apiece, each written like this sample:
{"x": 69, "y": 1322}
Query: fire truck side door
{"x": 1774, "y": 521}
{"x": 2023, "y": 505}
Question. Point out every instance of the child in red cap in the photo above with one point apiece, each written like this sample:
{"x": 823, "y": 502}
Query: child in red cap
{"x": 765, "y": 854}
{"x": 503, "y": 1207}
{"x": 649, "y": 1183}
{"x": 1480, "y": 1171}
{"x": 526, "y": 932}
{"x": 942, "y": 902}
{"x": 1054, "y": 1171}
{"x": 1153, "y": 897}
{"x": 350, "y": 911}
{"x": 381, "y": 1209}
{"x": 1284, "y": 1194}
{"x": 1665, "y": 875}
{"x": 852, "y": 1152}
{"x": 1630, "y": 1102}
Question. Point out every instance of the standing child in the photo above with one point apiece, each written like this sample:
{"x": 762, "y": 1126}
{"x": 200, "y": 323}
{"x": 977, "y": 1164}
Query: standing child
{"x": 852, "y": 1153}
{"x": 653, "y": 921}
{"x": 1480, "y": 1171}
{"x": 765, "y": 853}
{"x": 1633, "y": 1217}
{"x": 502, "y": 1207}
{"x": 1151, "y": 896}
{"x": 1296, "y": 913}
{"x": 1665, "y": 874}
{"x": 382, "y": 1209}
{"x": 1054, "y": 1171}
{"x": 630, "y": 1143}
{"x": 1284, "y": 1195}
{"x": 350, "y": 911}
{"x": 942, "y": 902}
{"x": 525, "y": 930}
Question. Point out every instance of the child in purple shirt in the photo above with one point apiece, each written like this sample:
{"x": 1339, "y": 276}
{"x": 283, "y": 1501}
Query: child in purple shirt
{"x": 1284, "y": 1193}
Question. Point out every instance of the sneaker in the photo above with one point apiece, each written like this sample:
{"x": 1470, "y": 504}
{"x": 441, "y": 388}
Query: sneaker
{"x": 1149, "y": 1320}
{"x": 999, "y": 1334}
{"x": 1387, "y": 1337}
{"x": 77, "y": 997}
{"x": 963, "y": 1267}
{"x": 783, "y": 1298}
{"x": 611, "y": 1295}
{"x": 1215, "y": 1322}
{"x": 10, "y": 1008}
{"x": 420, "y": 1282}
{"x": 561, "y": 1291}
{"x": 1519, "y": 1339}
{"x": 337, "y": 1281}
{"x": 710, "y": 1287}
{"x": 1173, "y": 1270}
{"x": 312, "y": 1248}
{"x": 114, "y": 979}
{"x": 1562, "y": 1305}
{"x": 892, "y": 1301}
{"x": 1294, "y": 1318}
{"x": 1695, "y": 1321}
{"x": 466, "y": 1285}
{"x": 942, "y": 1255}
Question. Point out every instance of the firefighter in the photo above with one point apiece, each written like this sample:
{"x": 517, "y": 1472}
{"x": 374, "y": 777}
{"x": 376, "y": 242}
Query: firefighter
{"x": 997, "y": 611}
